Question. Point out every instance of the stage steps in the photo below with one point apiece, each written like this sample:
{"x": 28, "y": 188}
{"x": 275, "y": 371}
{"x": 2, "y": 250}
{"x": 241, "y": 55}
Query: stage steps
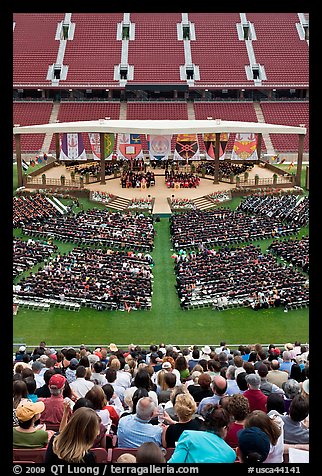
{"x": 119, "y": 203}
{"x": 203, "y": 203}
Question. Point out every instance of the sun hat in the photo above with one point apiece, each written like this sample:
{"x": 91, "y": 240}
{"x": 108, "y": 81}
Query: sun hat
{"x": 206, "y": 349}
{"x": 305, "y": 386}
{"x": 288, "y": 346}
{"x": 22, "y": 348}
{"x": 57, "y": 381}
{"x": 28, "y": 409}
{"x": 291, "y": 387}
{"x": 253, "y": 440}
{"x": 113, "y": 347}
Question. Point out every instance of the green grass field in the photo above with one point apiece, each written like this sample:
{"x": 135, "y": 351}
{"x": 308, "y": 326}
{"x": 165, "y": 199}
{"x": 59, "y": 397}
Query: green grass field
{"x": 166, "y": 322}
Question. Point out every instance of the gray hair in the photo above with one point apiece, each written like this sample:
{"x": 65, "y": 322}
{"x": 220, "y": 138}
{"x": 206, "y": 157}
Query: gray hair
{"x": 145, "y": 408}
{"x": 230, "y": 372}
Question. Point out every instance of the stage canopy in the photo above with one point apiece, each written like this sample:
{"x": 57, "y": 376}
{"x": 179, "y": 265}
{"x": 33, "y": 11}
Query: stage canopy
{"x": 159, "y": 127}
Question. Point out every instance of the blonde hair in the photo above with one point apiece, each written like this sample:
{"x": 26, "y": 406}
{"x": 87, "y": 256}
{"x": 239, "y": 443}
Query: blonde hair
{"x": 78, "y": 436}
{"x": 160, "y": 379}
{"x": 185, "y": 406}
{"x": 115, "y": 364}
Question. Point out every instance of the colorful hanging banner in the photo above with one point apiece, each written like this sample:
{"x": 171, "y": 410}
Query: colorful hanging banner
{"x": 94, "y": 139}
{"x": 209, "y": 140}
{"x": 129, "y": 146}
{"x": 187, "y": 147}
{"x": 245, "y": 147}
{"x": 159, "y": 147}
{"x": 72, "y": 147}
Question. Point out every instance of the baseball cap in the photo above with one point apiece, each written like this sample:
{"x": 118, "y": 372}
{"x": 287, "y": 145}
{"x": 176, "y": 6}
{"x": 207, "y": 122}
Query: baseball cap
{"x": 36, "y": 365}
{"x": 57, "y": 381}
{"x": 253, "y": 379}
{"x": 253, "y": 440}
{"x": 291, "y": 387}
{"x": 27, "y": 409}
{"x": 166, "y": 365}
{"x": 73, "y": 363}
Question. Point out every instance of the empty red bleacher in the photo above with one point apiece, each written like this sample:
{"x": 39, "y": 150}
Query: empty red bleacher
{"x": 29, "y": 113}
{"x": 86, "y": 111}
{"x": 229, "y": 111}
{"x": 34, "y": 47}
{"x": 94, "y": 51}
{"x": 156, "y": 52}
{"x": 279, "y": 48}
{"x": 157, "y": 110}
{"x": 217, "y": 50}
{"x": 291, "y": 113}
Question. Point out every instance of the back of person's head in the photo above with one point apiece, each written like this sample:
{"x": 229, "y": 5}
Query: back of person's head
{"x": 84, "y": 361}
{"x": 253, "y": 381}
{"x": 253, "y": 445}
{"x": 296, "y": 373}
{"x": 249, "y": 367}
{"x": 286, "y": 355}
{"x": 230, "y": 373}
{"x": 214, "y": 365}
{"x": 275, "y": 401}
{"x": 185, "y": 407}
{"x": 49, "y": 373}
{"x": 78, "y": 436}
{"x": 299, "y": 408}
{"x": 31, "y": 385}
{"x": 261, "y": 420}
{"x": 262, "y": 370}
{"x": 82, "y": 402}
{"x": 98, "y": 367}
{"x": 139, "y": 393}
{"x": 108, "y": 390}
{"x": 275, "y": 365}
{"x": 222, "y": 357}
{"x": 110, "y": 375}
{"x": 20, "y": 391}
{"x": 70, "y": 353}
{"x": 195, "y": 353}
{"x": 238, "y": 406}
{"x": 80, "y": 371}
{"x": 126, "y": 458}
{"x": 204, "y": 380}
{"x": 204, "y": 364}
{"x": 177, "y": 390}
{"x": 216, "y": 419}
{"x": 145, "y": 408}
{"x": 238, "y": 361}
{"x": 241, "y": 381}
{"x": 97, "y": 396}
{"x": 142, "y": 379}
{"x": 115, "y": 364}
{"x": 27, "y": 372}
{"x": 149, "y": 452}
{"x": 170, "y": 380}
{"x": 219, "y": 385}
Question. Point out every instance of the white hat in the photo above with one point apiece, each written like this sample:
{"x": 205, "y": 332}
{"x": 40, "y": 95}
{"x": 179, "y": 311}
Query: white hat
{"x": 166, "y": 365}
{"x": 206, "y": 349}
{"x": 22, "y": 348}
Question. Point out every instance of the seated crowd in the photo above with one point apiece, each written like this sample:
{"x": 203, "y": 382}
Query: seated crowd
{"x": 31, "y": 207}
{"x": 293, "y": 250}
{"x": 184, "y": 179}
{"x": 239, "y": 275}
{"x": 226, "y": 168}
{"x": 28, "y": 253}
{"x": 103, "y": 279}
{"x": 96, "y": 226}
{"x": 207, "y": 405}
{"x": 223, "y": 226}
{"x": 290, "y": 208}
{"x": 137, "y": 179}
{"x": 93, "y": 169}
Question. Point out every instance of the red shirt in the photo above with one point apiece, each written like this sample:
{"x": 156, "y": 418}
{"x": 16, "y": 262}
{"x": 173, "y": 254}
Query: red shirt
{"x": 257, "y": 400}
{"x": 54, "y": 409}
{"x": 231, "y": 437}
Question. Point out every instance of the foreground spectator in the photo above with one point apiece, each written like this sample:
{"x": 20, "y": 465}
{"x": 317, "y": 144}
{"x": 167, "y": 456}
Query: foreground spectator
{"x": 253, "y": 445}
{"x": 73, "y": 444}
{"x": 27, "y": 435}
{"x": 150, "y": 452}
{"x": 207, "y": 446}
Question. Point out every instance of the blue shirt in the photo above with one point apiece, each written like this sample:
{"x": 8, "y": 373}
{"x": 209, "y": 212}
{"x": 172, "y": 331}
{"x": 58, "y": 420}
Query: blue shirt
{"x": 202, "y": 447}
{"x": 132, "y": 432}
{"x": 206, "y": 401}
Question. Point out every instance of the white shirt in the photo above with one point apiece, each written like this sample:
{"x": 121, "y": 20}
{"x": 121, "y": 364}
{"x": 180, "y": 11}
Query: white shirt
{"x": 123, "y": 379}
{"x": 275, "y": 454}
{"x": 81, "y": 386}
{"x": 39, "y": 380}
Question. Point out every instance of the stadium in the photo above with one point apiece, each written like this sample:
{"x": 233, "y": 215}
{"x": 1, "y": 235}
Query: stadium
{"x": 160, "y": 180}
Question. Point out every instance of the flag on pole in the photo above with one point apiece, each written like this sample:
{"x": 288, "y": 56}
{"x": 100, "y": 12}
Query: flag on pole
{"x": 245, "y": 147}
{"x": 129, "y": 146}
{"x": 159, "y": 146}
{"x": 24, "y": 165}
{"x": 72, "y": 147}
{"x": 94, "y": 139}
{"x": 187, "y": 147}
